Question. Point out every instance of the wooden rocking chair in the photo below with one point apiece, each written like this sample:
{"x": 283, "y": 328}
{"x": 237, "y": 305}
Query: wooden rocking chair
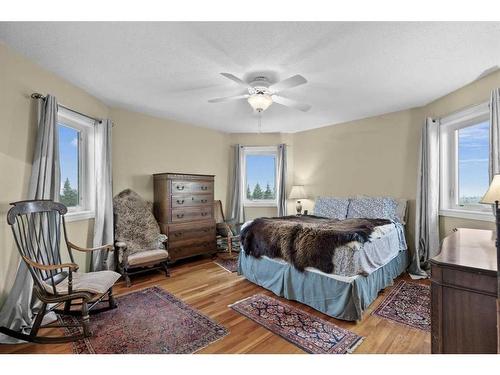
{"x": 36, "y": 226}
{"x": 228, "y": 231}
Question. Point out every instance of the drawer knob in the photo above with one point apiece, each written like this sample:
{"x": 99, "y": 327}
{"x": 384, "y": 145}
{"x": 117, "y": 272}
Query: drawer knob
{"x": 204, "y": 200}
{"x": 204, "y": 213}
{"x": 204, "y": 188}
{"x": 180, "y": 216}
{"x": 179, "y": 201}
{"x": 180, "y": 187}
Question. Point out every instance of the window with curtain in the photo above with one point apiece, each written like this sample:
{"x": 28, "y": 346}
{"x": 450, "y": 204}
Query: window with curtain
{"x": 76, "y": 156}
{"x": 259, "y": 166}
{"x": 464, "y": 149}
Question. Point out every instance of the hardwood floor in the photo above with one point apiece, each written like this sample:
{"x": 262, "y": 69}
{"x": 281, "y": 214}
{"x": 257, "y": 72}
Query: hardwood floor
{"x": 210, "y": 289}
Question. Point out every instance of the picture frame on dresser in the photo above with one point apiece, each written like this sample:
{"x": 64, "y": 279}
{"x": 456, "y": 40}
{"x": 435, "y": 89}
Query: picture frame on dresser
{"x": 183, "y": 206}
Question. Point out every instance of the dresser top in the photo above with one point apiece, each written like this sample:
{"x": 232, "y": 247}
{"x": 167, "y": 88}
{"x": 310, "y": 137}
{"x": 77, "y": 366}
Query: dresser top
{"x": 469, "y": 248}
{"x": 183, "y": 175}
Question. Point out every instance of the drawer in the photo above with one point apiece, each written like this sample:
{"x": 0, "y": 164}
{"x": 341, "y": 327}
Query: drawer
{"x": 180, "y": 186}
{"x": 189, "y": 242}
{"x": 188, "y": 231}
{"x": 181, "y": 215}
{"x": 191, "y": 200}
{"x": 189, "y": 251}
{"x": 470, "y": 280}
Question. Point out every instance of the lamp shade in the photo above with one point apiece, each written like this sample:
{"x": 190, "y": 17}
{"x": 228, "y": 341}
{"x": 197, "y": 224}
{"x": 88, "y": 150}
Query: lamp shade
{"x": 260, "y": 102}
{"x": 493, "y": 193}
{"x": 298, "y": 192}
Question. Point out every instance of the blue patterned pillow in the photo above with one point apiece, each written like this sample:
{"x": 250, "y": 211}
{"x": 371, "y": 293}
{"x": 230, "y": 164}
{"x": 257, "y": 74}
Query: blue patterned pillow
{"x": 334, "y": 208}
{"x": 373, "y": 208}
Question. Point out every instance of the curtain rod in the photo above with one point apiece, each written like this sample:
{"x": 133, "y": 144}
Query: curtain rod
{"x": 37, "y": 95}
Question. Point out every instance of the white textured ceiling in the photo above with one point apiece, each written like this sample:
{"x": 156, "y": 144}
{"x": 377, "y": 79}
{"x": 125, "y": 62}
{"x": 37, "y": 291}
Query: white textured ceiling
{"x": 170, "y": 69}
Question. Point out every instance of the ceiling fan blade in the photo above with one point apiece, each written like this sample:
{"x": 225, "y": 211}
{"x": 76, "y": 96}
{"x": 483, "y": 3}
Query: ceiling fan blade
{"x": 235, "y": 79}
{"x": 291, "y": 103}
{"x": 288, "y": 83}
{"x": 228, "y": 98}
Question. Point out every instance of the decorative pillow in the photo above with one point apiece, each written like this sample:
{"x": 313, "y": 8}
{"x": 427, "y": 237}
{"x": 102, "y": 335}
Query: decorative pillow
{"x": 332, "y": 207}
{"x": 372, "y": 208}
{"x": 135, "y": 223}
{"x": 401, "y": 211}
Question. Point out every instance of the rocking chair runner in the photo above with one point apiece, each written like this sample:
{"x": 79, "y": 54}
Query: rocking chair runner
{"x": 36, "y": 226}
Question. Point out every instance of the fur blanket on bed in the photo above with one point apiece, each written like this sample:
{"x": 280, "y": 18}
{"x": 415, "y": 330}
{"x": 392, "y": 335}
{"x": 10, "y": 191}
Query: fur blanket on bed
{"x": 305, "y": 241}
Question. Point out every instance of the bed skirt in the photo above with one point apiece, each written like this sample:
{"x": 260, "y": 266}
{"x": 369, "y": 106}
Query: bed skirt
{"x": 339, "y": 297}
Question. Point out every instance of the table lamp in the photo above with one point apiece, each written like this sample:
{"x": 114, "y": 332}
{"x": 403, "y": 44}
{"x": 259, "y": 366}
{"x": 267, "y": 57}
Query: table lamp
{"x": 298, "y": 193}
{"x": 492, "y": 196}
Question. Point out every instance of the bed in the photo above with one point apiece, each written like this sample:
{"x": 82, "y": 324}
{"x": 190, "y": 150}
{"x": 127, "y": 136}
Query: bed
{"x": 360, "y": 270}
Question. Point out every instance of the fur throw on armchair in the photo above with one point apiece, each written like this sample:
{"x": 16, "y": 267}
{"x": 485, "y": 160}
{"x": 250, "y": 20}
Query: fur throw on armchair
{"x": 135, "y": 223}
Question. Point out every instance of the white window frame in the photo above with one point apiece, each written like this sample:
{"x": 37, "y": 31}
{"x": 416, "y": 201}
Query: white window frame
{"x": 86, "y": 159}
{"x": 448, "y": 139}
{"x": 259, "y": 150}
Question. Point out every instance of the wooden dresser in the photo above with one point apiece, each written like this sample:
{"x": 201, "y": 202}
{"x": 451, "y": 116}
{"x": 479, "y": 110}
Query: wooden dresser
{"x": 183, "y": 206}
{"x": 464, "y": 292}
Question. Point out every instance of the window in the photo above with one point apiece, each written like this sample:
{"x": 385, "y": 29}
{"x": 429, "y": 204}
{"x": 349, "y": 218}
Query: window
{"x": 259, "y": 176}
{"x": 464, "y": 147}
{"x": 76, "y": 158}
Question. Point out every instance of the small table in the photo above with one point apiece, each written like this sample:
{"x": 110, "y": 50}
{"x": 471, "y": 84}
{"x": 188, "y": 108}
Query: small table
{"x": 464, "y": 293}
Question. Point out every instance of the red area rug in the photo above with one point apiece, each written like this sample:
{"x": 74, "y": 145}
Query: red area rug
{"x": 308, "y": 332}
{"x": 229, "y": 264}
{"x": 149, "y": 321}
{"x": 407, "y": 303}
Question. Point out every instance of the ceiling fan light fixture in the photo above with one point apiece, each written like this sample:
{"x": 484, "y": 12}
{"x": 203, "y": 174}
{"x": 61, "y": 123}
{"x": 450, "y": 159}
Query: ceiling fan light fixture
{"x": 260, "y": 102}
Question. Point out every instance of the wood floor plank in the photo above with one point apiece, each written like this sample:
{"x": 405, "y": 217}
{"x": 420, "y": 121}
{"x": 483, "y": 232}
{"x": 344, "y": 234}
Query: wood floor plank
{"x": 210, "y": 289}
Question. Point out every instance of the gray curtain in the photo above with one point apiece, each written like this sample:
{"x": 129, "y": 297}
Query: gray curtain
{"x": 17, "y": 311}
{"x": 237, "y": 212}
{"x": 281, "y": 179}
{"x": 494, "y": 159}
{"x": 103, "y": 226}
{"x": 427, "y": 202}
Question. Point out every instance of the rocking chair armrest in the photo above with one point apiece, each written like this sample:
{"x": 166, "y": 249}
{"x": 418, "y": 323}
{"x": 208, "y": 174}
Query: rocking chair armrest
{"x": 108, "y": 247}
{"x": 51, "y": 267}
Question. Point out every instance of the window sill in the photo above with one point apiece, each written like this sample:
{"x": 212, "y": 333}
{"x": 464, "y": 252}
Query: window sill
{"x": 260, "y": 204}
{"x": 472, "y": 215}
{"x": 79, "y": 215}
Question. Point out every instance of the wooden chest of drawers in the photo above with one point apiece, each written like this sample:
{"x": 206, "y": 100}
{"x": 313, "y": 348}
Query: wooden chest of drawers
{"x": 184, "y": 209}
{"x": 464, "y": 292}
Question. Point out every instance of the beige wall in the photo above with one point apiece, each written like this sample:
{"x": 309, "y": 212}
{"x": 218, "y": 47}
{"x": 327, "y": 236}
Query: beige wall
{"x": 143, "y": 145}
{"x": 18, "y": 79}
{"x": 374, "y": 156}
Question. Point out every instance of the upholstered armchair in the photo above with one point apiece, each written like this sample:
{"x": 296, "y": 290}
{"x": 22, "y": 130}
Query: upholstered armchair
{"x": 139, "y": 245}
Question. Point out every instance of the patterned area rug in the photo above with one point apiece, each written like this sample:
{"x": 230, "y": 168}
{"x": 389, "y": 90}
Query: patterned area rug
{"x": 312, "y": 334}
{"x": 408, "y": 303}
{"x": 230, "y": 265}
{"x": 150, "y": 321}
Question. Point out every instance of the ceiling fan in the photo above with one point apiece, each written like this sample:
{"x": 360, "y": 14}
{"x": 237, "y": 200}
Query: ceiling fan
{"x": 261, "y": 94}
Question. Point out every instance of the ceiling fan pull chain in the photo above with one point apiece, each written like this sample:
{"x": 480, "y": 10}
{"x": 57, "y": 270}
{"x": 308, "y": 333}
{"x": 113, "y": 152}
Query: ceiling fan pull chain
{"x": 260, "y": 122}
